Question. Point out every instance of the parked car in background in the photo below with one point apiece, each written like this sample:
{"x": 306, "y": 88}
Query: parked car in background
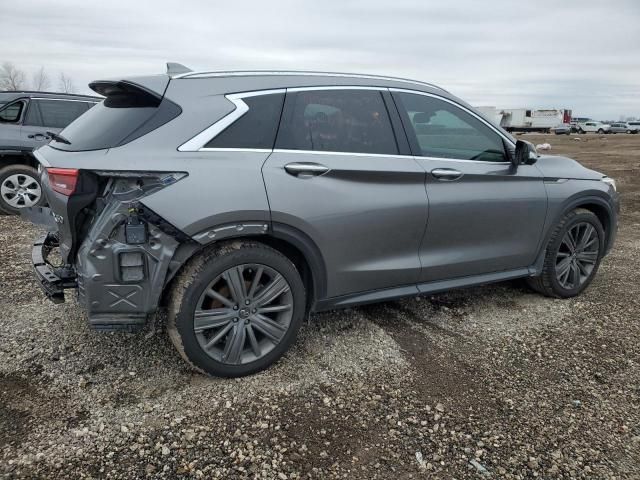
{"x": 246, "y": 200}
{"x": 562, "y": 129}
{"x": 576, "y": 120}
{"x": 594, "y": 127}
{"x": 623, "y": 127}
{"x": 635, "y": 125}
{"x": 27, "y": 121}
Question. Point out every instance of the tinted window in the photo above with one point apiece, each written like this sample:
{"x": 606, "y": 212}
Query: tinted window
{"x": 337, "y": 121}
{"x": 12, "y": 112}
{"x": 57, "y": 113}
{"x": 256, "y": 128}
{"x": 446, "y": 131}
{"x": 122, "y": 117}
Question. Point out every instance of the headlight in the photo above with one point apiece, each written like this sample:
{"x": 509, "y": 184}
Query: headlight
{"x": 611, "y": 182}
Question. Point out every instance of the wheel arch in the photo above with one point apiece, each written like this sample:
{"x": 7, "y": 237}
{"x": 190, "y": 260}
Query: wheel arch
{"x": 291, "y": 242}
{"x": 8, "y": 158}
{"x": 595, "y": 204}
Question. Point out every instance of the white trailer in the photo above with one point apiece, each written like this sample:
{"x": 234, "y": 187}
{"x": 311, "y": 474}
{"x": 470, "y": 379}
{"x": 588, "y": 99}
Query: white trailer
{"x": 528, "y": 120}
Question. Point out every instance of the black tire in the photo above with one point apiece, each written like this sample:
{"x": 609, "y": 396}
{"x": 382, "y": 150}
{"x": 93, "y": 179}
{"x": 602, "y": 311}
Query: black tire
{"x": 628, "y": 132}
{"x": 188, "y": 290}
{"x": 21, "y": 170}
{"x": 581, "y": 131}
{"x": 547, "y": 282}
{"x": 600, "y": 131}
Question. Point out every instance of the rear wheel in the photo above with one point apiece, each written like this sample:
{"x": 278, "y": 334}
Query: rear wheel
{"x": 600, "y": 131}
{"x": 628, "y": 131}
{"x": 572, "y": 256}
{"x": 236, "y": 309}
{"x": 19, "y": 188}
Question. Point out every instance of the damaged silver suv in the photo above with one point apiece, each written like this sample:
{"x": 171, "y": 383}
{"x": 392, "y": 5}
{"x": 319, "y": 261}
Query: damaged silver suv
{"x": 245, "y": 200}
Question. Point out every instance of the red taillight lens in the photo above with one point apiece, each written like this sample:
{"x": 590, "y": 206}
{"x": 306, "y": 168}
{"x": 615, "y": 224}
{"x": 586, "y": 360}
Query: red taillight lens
{"x": 63, "y": 180}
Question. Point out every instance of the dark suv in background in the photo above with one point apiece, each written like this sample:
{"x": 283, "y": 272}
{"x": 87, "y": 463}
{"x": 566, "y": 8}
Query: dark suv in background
{"x": 27, "y": 120}
{"x": 245, "y": 200}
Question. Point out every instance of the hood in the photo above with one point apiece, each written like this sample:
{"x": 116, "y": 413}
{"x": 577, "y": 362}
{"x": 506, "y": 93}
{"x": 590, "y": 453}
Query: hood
{"x": 553, "y": 166}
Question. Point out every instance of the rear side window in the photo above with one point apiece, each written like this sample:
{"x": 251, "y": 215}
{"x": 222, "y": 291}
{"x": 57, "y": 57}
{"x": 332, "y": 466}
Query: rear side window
{"x": 354, "y": 121}
{"x": 444, "y": 130}
{"x": 12, "y": 113}
{"x": 54, "y": 113}
{"x": 128, "y": 112}
{"x": 256, "y": 128}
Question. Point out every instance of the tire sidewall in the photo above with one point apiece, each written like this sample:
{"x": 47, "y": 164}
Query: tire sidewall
{"x": 184, "y": 317}
{"x": 555, "y": 245}
{"x": 18, "y": 169}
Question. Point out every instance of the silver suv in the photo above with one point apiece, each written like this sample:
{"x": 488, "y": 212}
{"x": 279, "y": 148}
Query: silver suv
{"x": 27, "y": 121}
{"x": 245, "y": 200}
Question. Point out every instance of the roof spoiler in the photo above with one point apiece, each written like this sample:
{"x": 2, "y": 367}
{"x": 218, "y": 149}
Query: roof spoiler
{"x": 176, "y": 69}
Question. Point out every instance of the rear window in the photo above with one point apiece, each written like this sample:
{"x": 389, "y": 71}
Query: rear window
{"x": 128, "y": 112}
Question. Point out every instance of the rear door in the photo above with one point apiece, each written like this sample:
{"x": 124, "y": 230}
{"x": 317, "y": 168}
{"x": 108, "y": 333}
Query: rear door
{"x": 484, "y": 216}
{"x": 338, "y": 176}
{"x": 49, "y": 115}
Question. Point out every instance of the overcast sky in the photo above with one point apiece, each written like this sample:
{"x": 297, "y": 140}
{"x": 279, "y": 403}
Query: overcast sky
{"x": 583, "y": 55}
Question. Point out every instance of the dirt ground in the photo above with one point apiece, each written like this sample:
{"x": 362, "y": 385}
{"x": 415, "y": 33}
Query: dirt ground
{"x": 493, "y": 381}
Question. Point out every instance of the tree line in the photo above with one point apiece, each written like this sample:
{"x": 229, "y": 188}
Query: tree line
{"x": 12, "y": 78}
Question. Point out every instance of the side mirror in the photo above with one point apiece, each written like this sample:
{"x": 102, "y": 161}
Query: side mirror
{"x": 525, "y": 154}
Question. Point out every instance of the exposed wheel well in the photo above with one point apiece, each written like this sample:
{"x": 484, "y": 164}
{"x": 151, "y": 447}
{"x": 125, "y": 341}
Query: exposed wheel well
{"x": 603, "y": 215}
{"x": 18, "y": 158}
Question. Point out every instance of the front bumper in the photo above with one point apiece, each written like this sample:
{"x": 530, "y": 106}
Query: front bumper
{"x": 53, "y": 280}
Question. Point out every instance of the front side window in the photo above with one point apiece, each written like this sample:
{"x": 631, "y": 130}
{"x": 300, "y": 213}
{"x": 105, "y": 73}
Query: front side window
{"x": 256, "y": 128}
{"x": 11, "y": 113}
{"x": 354, "y": 121}
{"x": 444, "y": 130}
{"x": 57, "y": 113}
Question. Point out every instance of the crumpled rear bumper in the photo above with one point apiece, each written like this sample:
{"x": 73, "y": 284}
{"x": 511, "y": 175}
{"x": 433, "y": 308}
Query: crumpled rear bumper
{"x": 52, "y": 280}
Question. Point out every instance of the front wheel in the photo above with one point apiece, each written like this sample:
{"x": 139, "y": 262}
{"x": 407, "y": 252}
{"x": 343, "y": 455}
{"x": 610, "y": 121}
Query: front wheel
{"x": 600, "y": 131}
{"x": 572, "y": 256}
{"x": 19, "y": 188}
{"x": 236, "y": 309}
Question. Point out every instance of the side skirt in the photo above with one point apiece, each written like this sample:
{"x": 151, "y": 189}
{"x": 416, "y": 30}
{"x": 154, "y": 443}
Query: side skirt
{"x": 386, "y": 294}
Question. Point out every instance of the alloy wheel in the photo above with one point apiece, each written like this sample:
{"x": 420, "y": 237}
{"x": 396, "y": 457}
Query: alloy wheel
{"x": 577, "y": 255}
{"x": 20, "y": 190}
{"x": 243, "y": 314}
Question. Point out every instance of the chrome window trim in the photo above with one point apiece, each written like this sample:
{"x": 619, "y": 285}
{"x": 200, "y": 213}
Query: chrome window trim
{"x": 462, "y": 107}
{"x": 326, "y": 152}
{"x": 285, "y": 73}
{"x": 196, "y": 144}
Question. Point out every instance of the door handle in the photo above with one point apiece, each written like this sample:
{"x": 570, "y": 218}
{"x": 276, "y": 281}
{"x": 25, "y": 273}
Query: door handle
{"x": 446, "y": 174}
{"x": 38, "y": 136}
{"x": 306, "y": 169}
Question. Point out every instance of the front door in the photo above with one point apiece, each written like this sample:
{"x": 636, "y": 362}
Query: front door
{"x": 337, "y": 176}
{"x": 484, "y": 215}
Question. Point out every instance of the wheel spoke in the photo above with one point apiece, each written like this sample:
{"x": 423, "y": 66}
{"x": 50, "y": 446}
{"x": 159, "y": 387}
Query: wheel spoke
{"x": 235, "y": 344}
{"x": 275, "y": 308}
{"x": 569, "y": 241}
{"x": 215, "y": 318}
{"x": 235, "y": 280}
{"x": 253, "y": 341}
{"x": 582, "y": 268}
{"x": 219, "y": 336}
{"x": 563, "y": 266}
{"x": 222, "y": 299}
{"x": 273, "y": 290}
{"x": 255, "y": 282}
{"x": 586, "y": 235}
{"x": 268, "y": 327}
{"x": 575, "y": 275}
{"x": 588, "y": 257}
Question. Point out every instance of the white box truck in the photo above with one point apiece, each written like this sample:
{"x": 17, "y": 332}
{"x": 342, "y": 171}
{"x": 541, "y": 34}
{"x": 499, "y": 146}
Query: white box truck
{"x": 529, "y": 120}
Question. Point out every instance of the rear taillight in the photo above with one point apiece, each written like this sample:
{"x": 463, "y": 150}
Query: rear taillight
{"x": 63, "y": 180}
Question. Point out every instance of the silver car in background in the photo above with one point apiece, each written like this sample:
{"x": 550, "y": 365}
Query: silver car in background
{"x": 243, "y": 201}
{"x": 623, "y": 127}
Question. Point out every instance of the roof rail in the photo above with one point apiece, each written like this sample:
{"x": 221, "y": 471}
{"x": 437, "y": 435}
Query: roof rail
{"x": 248, "y": 73}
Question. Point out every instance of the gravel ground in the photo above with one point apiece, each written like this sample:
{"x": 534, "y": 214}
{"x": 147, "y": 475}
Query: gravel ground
{"x": 485, "y": 382}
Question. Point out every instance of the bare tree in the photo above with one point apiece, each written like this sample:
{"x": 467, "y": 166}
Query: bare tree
{"x": 11, "y": 78}
{"x": 66, "y": 84}
{"x": 40, "y": 80}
